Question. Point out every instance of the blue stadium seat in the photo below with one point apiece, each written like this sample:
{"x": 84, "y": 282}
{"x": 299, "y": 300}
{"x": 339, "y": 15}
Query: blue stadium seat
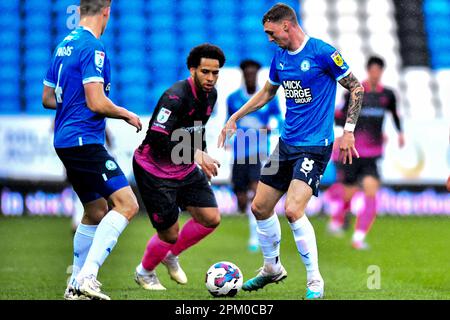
{"x": 10, "y": 21}
{"x": 11, "y": 101}
{"x": 192, "y": 39}
{"x": 36, "y": 56}
{"x": 132, "y": 23}
{"x": 189, "y": 7}
{"x": 39, "y": 39}
{"x": 10, "y": 57}
{"x": 251, "y": 23}
{"x": 163, "y": 21}
{"x": 10, "y": 6}
{"x": 193, "y": 22}
{"x": 437, "y": 15}
{"x": 162, "y": 40}
{"x": 229, "y": 7}
{"x": 135, "y": 5}
{"x": 158, "y": 7}
{"x": 8, "y": 37}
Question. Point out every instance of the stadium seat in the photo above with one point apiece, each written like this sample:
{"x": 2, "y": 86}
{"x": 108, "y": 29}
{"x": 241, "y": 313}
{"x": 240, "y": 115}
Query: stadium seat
{"x": 379, "y": 7}
{"x": 314, "y": 7}
{"x": 442, "y": 79}
{"x": 347, "y": 8}
{"x": 348, "y": 24}
{"x": 418, "y": 80}
{"x": 316, "y": 24}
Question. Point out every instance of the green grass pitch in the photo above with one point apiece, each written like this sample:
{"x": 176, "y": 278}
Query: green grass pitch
{"x": 412, "y": 254}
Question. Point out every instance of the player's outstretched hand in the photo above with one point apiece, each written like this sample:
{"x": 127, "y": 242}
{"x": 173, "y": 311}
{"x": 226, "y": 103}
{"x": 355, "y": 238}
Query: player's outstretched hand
{"x": 133, "y": 119}
{"x": 347, "y": 148}
{"x": 207, "y": 163}
{"x": 227, "y": 132}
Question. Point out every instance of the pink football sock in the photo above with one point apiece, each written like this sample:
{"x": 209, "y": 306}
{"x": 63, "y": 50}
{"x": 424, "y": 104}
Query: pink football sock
{"x": 336, "y": 191}
{"x": 191, "y": 234}
{"x": 367, "y": 215}
{"x": 338, "y": 215}
{"x": 339, "y": 207}
{"x": 155, "y": 252}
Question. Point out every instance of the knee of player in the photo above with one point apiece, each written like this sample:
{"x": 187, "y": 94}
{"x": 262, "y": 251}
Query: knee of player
{"x": 213, "y": 222}
{"x": 130, "y": 208}
{"x": 258, "y": 211}
{"x": 293, "y": 213}
{"x": 168, "y": 237}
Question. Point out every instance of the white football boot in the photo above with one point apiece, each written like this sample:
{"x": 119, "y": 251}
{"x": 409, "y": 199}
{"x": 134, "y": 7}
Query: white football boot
{"x": 90, "y": 287}
{"x": 173, "y": 267}
{"x": 149, "y": 281}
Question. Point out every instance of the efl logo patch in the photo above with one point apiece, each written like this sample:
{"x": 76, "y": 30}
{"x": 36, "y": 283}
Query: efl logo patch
{"x": 337, "y": 58}
{"x": 163, "y": 115}
{"x": 99, "y": 58}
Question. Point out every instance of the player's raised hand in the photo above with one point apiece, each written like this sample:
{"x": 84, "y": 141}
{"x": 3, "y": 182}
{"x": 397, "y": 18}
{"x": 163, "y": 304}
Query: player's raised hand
{"x": 347, "y": 148}
{"x": 207, "y": 163}
{"x": 134, "y": 120}
{"x": 227, "y": 132}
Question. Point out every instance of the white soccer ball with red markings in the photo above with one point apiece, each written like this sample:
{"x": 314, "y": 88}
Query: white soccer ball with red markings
{"x": 224, "y": 279}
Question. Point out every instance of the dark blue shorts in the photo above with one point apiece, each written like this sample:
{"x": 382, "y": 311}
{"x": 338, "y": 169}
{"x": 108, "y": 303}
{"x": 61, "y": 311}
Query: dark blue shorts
{"x": 243, "y": 174}
{"x": 302, "y": 163}
{"x": 360, "y": 168}
{"x": 93, "y": 173}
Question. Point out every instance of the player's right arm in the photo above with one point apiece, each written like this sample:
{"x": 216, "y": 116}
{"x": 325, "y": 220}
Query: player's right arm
{"x": 48, "y": 98}
{"x": 98, "y": 102}
{"x": 260, "y": 99}
{"x": 92, "y": 63}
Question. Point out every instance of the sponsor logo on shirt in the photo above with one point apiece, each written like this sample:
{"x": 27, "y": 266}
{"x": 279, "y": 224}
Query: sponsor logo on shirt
{"x": 99, "y": 58}
{"x": 64, "y": 52}
{"x": 337, "y": 58}
{"x": 194, "y": 129}
{"x": 163, "y": 115}
{"x": 294, "y": 90}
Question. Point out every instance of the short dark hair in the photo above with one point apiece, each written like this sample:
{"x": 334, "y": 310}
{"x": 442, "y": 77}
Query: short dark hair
{"x": 249, "y": 63}
{"x": 279, "y": 12}
{"x": 205, "y": 50}
{"x": 375, "y": 60}
{"x": 93, "y": 7}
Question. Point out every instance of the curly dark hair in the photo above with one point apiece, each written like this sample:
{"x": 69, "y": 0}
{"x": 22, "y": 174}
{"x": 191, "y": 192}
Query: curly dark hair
{"x": 205, "y": 50}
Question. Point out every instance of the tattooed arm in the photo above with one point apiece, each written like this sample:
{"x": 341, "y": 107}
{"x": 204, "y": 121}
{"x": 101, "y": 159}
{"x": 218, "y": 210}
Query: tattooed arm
{"x": 347, "y": 146}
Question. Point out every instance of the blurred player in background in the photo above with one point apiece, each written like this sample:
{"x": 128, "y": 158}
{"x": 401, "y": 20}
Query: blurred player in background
{"x": 248, "y": 153}
{"x": 166, "y": 172}
{"x": 77, "y": 85}
{"x": 308, "y": 69}
{"x": 369, "y": 142}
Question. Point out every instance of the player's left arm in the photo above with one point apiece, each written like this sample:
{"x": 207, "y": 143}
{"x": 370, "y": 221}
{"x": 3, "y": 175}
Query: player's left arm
{"x": 347, "y": 146}
{"x": 392, "y": 107}
{"x": 48, "y": 98}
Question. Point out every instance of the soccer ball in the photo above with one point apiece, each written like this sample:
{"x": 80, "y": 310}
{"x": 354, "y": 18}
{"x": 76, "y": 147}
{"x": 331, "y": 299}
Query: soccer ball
{"x": 224, "y": 279}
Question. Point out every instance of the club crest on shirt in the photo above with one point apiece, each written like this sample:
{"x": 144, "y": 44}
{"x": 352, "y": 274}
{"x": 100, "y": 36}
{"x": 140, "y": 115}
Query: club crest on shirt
{"x": 305, "y": 65}
{"x": 110, "y": 165}
{"x": 99, "y": 58}
{"x": 337, "y": 58}
{"x": 163, "y": 115}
